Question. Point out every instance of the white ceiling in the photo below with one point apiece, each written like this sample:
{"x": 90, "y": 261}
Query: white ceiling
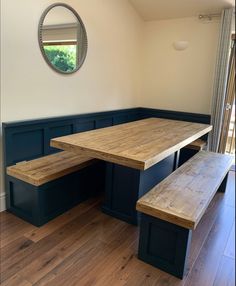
{"x": 151, "y": 10}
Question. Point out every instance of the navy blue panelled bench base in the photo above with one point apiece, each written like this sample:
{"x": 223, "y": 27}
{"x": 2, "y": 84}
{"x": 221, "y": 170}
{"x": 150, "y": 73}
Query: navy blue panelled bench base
{"x": 166, "y": 245}
{"x": 173, "y": 209}
{"x": 39, "y": 204}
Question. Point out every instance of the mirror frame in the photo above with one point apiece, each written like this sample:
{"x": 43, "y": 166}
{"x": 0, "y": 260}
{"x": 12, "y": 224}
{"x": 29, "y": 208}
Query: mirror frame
{"x": 40, "y": 40}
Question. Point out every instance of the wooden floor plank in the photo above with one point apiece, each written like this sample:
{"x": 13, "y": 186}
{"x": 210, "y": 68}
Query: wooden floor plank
{"x": 14, "y": 234}
{"x": 8, "y": 222}
{"x": 118, "y": 258}
{"x": 90, "y": 259}
{"x": 12, "y": 265}
{"x": 47, "y": 262}
{"x": 205, "y": 267}
{"x": 88, "y": 248}
{"x": 230, "y": 247}
{"x": 199, "y": 236}
{"x": 12, "y": 228}
{"x": 39, "y": 233}
{"x": 225, "y": 273}
{"x": 16, "y": 280}
{"x": 14, "y": 248}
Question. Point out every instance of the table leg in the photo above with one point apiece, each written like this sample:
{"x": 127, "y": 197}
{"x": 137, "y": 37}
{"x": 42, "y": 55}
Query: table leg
{"x": 124, "y": 186}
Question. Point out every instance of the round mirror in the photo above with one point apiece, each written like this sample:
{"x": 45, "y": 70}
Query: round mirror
{"x": 62, "y": 38}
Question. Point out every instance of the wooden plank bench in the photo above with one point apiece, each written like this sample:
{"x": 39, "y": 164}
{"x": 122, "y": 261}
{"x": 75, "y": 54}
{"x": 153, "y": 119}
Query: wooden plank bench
{"x": 172, "y": 209}
{"x": 43, "y": 188}
{"x": 198, "y": 145}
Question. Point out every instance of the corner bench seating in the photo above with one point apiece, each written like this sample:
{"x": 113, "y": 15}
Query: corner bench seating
{"x": 30, "y": 139}
{"x": 172, "y": 209}
{"x": 43, "y": 188}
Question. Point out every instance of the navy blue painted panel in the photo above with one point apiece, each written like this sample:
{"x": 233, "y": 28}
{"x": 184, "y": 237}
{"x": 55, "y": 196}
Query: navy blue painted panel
{"x": 120, "y": 119}
{"x": 164, "y": 245}
{"x": 61, "y": 130}
{"x": 84, "y": 125}
{"x": 124, "y": 189}
{"x": 104, "y": 122}
{"x": 176, "y": 115}
{"x": 27, "y": 145}
{"x": 133, "y": 117}
{"x": 57, "y": 131}
{"x": 125, "y": 118}
{"x": 186, "y": 154}
{"x": 38, "y": 205}
{"x": 86, "y": 116}
{"x": 21, "y": 198}
{"x": 154, "y": 175}
{"x": 125, "y": 185}
{"x": 163, "y": 251}
{"x": 223, "y": 185}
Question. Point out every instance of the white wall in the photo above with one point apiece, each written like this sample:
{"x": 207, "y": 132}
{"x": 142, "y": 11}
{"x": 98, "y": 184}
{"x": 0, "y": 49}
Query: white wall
{"x": 179, "y": 80}
{"x": 109, "y": 78}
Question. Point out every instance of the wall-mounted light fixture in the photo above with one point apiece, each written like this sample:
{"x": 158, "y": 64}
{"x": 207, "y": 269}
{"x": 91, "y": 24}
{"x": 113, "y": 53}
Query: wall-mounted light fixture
{"x": 180, "y": 45}
{"x": 209, "y": 17}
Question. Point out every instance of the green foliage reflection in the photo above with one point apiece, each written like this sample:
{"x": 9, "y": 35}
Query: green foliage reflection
{"x": 62, "y": 57}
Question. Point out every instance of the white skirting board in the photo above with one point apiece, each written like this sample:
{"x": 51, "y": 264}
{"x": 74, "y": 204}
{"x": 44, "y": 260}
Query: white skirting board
{"x": 2, "y": 202}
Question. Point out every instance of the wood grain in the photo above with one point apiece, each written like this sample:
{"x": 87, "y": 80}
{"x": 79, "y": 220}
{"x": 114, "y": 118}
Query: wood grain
{"x": 206, "y": 266}
{"x": 183, "y": 197}
{"x": 39, "y": 233}
{"x": 230, "y": 247}
{"x": 96, "y": 249}
{"x": 198, "y": 145}
{"x": 48, "y": 168}
{"x": 225, "y": 273}
{"x": 139, "y": 144}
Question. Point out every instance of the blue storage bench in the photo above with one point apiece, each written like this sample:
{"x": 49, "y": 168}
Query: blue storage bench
{"x": 41, "y": 189}
{"x": 173, "y": 209}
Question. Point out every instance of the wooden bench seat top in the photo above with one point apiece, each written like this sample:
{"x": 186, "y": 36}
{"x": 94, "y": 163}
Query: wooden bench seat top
{"x": 45, "y": 169}
{"x": 198, "y": 145}
{"x": 183, "y": 197}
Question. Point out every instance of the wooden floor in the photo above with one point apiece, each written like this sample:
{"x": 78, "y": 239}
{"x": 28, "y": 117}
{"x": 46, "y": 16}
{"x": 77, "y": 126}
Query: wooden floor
{"x": 86, "y": 247}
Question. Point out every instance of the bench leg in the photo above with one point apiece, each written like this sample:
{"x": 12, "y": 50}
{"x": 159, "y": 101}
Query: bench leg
{"x": 222, "y": 187}
{"x": 164, "y": 245}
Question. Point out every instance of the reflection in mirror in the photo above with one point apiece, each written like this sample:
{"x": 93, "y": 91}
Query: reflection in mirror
{"x": 62, "y": 38}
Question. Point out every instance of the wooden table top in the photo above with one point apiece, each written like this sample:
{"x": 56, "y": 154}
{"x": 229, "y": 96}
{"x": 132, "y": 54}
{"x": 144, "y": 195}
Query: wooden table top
{"x": 138, "y": 144}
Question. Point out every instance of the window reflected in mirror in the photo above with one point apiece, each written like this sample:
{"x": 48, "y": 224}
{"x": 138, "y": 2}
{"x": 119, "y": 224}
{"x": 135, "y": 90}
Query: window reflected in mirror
{"x": 63, "y": 39}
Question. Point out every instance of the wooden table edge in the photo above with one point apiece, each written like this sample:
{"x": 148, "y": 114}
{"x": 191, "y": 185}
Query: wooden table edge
{"x": 128, "y": 162}
{"x": 116, "y": 159}
{"x": 169, "y": 216}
